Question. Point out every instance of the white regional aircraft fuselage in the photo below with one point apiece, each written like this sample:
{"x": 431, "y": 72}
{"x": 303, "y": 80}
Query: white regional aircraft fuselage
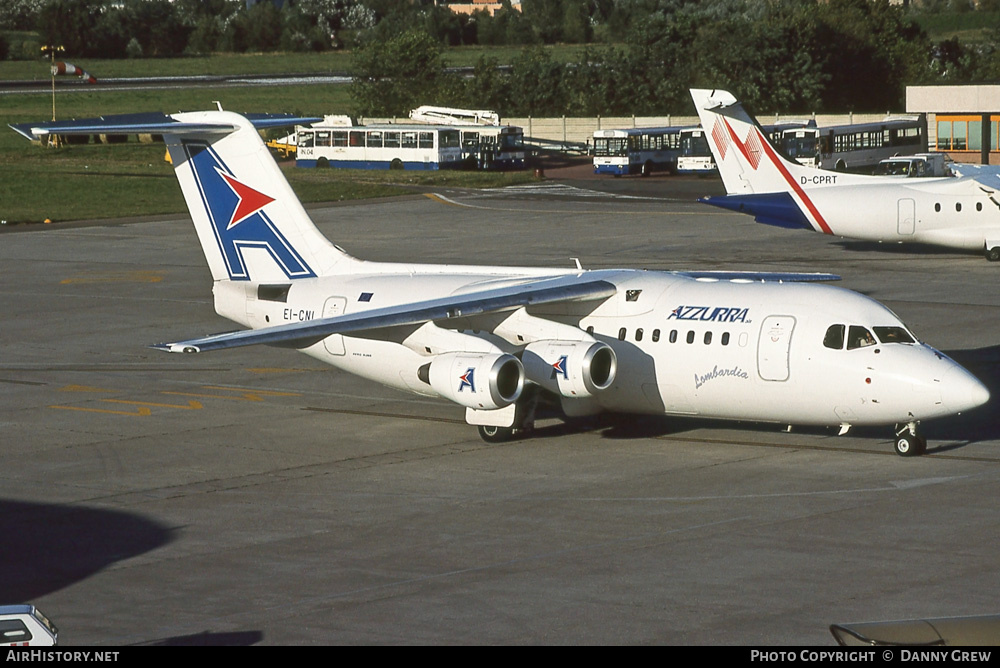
{"x": 737, "y": 349}
{"x": 959, "y": 213}
{"x": 497, "y": 340}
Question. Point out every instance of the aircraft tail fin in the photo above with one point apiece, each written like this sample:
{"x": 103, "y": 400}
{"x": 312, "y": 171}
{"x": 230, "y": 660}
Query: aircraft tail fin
{"x": 748, "y": 162}
{"x": 250, "y": 223}
{"x": 759, "y": 179}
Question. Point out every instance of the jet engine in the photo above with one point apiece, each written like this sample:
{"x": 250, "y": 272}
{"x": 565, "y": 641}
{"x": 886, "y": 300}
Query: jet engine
{"x": 484, "y": 381}
{"x": 570, "y": 368}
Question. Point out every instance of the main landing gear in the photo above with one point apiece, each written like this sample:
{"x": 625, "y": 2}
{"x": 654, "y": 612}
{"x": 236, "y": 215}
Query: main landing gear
{"x": 496, "y": 434}
{"x": 524, "y": 420}
{"x": 909, "y": 442}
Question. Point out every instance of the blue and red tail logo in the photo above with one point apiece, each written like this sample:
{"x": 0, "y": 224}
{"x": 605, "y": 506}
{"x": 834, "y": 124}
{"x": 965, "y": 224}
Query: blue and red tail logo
{"x": 236, "y": 212}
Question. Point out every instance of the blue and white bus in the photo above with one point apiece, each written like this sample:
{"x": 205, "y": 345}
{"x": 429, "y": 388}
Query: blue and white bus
{"x": 493, "y": 147}
{"x": 379, "y": 147}
{"x": 636, "y": 151}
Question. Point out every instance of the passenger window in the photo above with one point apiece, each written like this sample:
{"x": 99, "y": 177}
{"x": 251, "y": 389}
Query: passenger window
{"x": 725, "y": 338}
{"x": 958, "y": 206}
{"x": 656, "y": 335}
{"x": 690, "y": 337}
{"x": 621, "y": 334}
{"x": 708, "y": 338}
{"x": 859, "y": 337}
{"x": 673, "y": 336}
{"x": 979, "y": 206}
{"x": 937, "y": 207}
{"x": 638, "y": 334}
{"x": 834, "y": 337}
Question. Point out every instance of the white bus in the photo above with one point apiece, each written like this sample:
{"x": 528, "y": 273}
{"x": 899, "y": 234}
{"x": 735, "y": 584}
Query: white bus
{"x": 493, "y": 147}
{"x": 696, "y": 156}
{"x": 855, "y": 147}
{"x": 379, "y": 147}
{"x": 636, "y": 150}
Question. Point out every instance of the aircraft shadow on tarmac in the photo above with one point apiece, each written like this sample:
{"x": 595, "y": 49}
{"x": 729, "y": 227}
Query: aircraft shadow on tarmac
{"x": 981, "y": 424}
{"x": 893, "y": 248}
{"x": 51, "y": 546}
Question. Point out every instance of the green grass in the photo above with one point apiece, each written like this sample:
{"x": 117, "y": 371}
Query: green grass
{"x": 82, "y": 182}
{"x": 256, "y": 63}
{"x": 968, "y": 27}
{"x": 111, "y": 181}
{"x": 221, "y": 64}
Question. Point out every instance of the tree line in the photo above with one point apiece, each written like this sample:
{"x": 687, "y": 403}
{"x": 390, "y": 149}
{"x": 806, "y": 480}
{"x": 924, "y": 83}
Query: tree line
{"x": 641, "y": 56}
{"x": 787, "y": 56}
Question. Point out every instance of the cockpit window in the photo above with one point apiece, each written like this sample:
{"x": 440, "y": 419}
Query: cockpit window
{"x": 834, "y": 337}
{"x": 859, "y": 337}
{"x": 893, "y": 335}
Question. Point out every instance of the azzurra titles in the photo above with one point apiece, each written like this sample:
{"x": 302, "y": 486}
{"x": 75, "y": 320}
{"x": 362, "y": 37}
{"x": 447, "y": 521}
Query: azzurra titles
{"x": 710, "y": 313}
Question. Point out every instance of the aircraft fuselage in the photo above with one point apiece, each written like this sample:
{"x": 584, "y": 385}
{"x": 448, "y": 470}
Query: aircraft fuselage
{"x": 948, "y": 212}
{"x": 720, "y": 349}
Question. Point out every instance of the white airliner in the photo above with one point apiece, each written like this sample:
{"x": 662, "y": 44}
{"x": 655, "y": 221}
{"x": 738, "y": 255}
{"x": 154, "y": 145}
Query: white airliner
{"x": 954, "y": 212}
{"x": 499, "y": 340}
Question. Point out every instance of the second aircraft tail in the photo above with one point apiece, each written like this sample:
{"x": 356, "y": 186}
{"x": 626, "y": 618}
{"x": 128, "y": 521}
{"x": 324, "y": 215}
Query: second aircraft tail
{"x": 760, "y": 181}
{"x": 747, "y": 161}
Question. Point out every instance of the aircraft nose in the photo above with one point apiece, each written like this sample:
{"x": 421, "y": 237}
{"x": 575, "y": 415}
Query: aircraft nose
{"x": 961, "y": 391}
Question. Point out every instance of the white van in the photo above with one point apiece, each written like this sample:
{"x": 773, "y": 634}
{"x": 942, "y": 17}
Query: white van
{"x": 919, "y": 165}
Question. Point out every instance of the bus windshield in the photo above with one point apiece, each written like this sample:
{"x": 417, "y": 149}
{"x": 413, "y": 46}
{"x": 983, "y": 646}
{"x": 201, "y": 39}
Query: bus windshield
{"x": 799, "y": 144}
{"x": 695, "y": 145}
{"x": 611, "y": 147}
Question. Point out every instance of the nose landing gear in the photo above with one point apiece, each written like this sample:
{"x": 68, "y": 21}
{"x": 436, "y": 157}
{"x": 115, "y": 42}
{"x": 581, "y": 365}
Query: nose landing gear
{"x": 909, "y": 442}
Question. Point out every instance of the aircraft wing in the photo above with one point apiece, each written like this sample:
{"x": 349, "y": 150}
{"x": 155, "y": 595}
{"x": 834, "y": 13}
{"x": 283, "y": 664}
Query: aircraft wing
{"x": 952, "y": 631}
{"x": 569, "y": 288}
{"x": 968, "y": 169}
{"x": 986, "y": 177}
{"x": 151, "y": 123}
{"x": 574, "y": 287}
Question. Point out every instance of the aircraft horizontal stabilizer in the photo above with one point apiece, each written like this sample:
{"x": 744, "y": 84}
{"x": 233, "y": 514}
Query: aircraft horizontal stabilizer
{"x": 575, "y": 287}
{"x": 152, "y": 123}
{"x": 778, "y": 209}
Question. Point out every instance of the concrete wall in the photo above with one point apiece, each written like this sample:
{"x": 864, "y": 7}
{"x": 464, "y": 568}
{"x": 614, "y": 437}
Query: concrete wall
{"x": 581, "y": 130}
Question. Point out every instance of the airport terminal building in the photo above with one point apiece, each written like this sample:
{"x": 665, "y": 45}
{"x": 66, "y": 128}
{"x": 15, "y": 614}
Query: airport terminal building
{"x": 961, "y": 120}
